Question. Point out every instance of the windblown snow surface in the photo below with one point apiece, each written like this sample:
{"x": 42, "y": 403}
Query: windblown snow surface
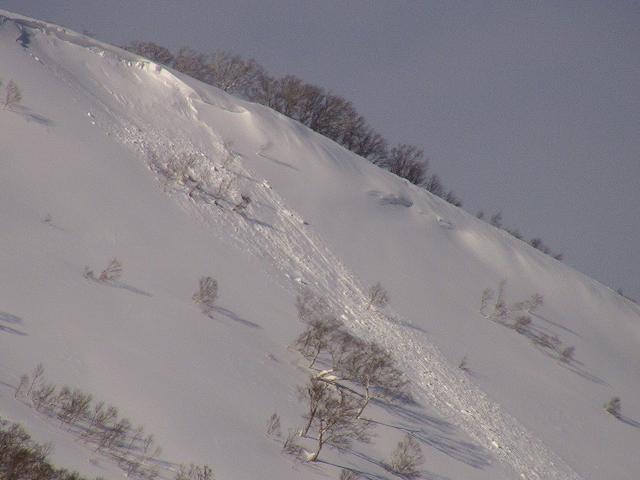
{"x": 81, "y": 182}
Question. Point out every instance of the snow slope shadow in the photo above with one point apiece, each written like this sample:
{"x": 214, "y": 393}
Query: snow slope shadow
{"x": 438, "y": 434}
{"x": 629, "y": 421}
{"x": 9, "y": 318}
{"x": 233, "y": 316}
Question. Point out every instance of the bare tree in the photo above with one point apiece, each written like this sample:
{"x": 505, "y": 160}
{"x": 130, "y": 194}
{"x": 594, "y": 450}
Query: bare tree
{"x": 207, "y": 294}
{"x": 377, "y": 296}
{"x": 13, "y": 96}
{"x": 406, "y": 458}
{"x": 73, "y": 405}
{"x": 152, "y": 51}
{"x": 232, "y": 73}
{"x": 44, "y": 397}
{"x": 406, "y": 161}
{"x": 36, "y": 378}
{"x": 317, "y": 337}
{"x": 194, "y": 472}
{"x": 374, "y": 369}
{"x": 313, "y": 393}
{"x": 334, "y": 419}
{"x": 273, "y": 426}
{"x": 522, "y": 323}
{"x": 192, "y": 63}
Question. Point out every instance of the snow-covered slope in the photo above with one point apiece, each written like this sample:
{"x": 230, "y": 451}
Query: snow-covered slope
{"x": 83, "y": 164}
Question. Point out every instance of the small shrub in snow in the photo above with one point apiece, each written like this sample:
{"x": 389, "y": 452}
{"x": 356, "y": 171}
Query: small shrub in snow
{"x": 500, "y": 308}
{"x": 464, "y": 364}
{"x": 73, "y": 405}
{"x": 522, "y": 323}
{"x": 377, "y": 296}
{"x": 530, "y": 305}
{"x": 487, "y": 296}
{"x": 291, "y": 447}
{"x": 207, "y": 294}
{"x": 614, "y": 406}
{"x": 44, "y": 398}
{"x": 36, "y": 378}
{"x": 348, "y": 475}
{"x": 194, "y": 472}
{"x": 273, "y": 426}
{"x": 547, "y": 341}
{"x": 566, "y": 356}
{"x": 242, "y": 205}
{"x": 406, "y": 458}
{"x": 111, "y": 273}
{"x": 21, "y": 389}
{"x": 12, "y": 96}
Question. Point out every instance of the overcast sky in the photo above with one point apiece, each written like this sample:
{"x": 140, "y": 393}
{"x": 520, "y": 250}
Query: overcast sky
{"x": 527, "y": 107}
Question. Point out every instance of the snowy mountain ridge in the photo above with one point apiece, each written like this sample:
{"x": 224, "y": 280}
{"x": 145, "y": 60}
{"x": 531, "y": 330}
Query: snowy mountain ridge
{"x": 98, "y": 120}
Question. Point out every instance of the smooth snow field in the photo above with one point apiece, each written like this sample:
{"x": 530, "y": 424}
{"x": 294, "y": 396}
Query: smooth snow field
{"x": 93, "y": 167}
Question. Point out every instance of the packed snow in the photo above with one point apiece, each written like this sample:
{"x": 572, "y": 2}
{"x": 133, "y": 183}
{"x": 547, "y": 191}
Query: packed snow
{"x": 109, "y": 155}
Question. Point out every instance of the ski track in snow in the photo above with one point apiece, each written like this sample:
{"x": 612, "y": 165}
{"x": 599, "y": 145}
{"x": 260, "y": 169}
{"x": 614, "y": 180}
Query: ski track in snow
{"x": 301, "y": 256}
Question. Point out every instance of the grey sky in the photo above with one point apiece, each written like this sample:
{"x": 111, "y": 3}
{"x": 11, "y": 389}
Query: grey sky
{"x": 531, "y": 108}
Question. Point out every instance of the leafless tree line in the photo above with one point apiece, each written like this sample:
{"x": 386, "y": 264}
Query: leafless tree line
{"x": 518, "y": 316}
{"x": 323, "y": 111}
{"x": 95, "y": 423}
{"x": 23, "y": 459}
{"x": 537, "y": 243}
